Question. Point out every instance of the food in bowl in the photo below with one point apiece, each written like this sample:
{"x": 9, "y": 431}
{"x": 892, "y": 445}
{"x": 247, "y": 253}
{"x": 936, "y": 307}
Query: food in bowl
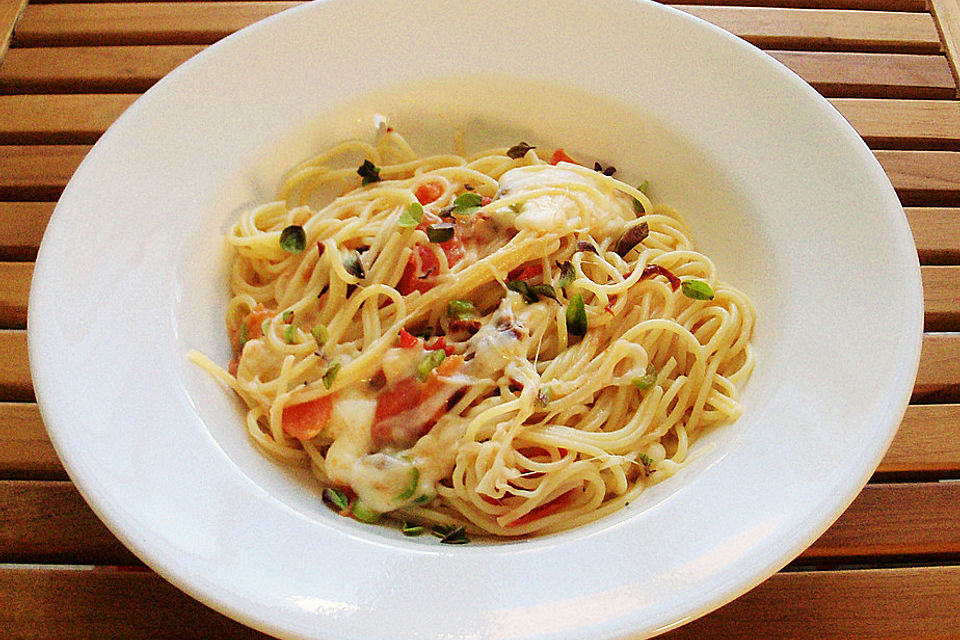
{"x": 505, "y": 343}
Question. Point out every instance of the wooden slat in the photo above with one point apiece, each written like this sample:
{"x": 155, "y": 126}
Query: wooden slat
{"x": 140, "y": 23}
{"x": 923, "y": 177}
{"x": 928, "y": 441}
{"x": 25, "y": 448}
{"x": 70, "y": 604}
{"x": 10, "y": 12}
{"x": 936, "y": 232}
{"x": 37, "y": 172}
{"x": 865, "y": 75}
{"x": 941, "y": 298}
{"x": 191, "y": 22}
{"x": 825, "y": 29}
{"x": 938, "y": 379}
{"x": 14, "y": 292}
{"x": 922, "y": 602}
{"x": 21, "y": 228}
{"x": 869, "y": 5}
{"x": 128, "y": 69}
{"x": 51, "y": 119}
{"x": 946, "y": 13}
{"x": 15, "y": 383}
{"x": 914, "y": 124}
{"x": 133, "y": 69}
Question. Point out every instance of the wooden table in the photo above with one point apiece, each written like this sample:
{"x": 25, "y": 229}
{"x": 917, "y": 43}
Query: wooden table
{"x": 889, "y": 568}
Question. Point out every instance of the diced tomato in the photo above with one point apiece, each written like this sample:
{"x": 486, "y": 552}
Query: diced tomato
{"x": 544, "y": 510}
{"x": 485, "y": 200}
{"x": 420, "y": 272}
{"x": 408, "y": 340}
{"x": 306, "y": 420}
{"x": 397, "y": 419}
{"x": 526, "y": 271}
{"x": 253, "y": 323}
{"x": 427, "y": 192}
{"x": 561, "y": 156}
{"x": 441, "y": 343}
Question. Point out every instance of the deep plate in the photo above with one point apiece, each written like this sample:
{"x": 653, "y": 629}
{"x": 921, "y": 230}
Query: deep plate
{"x": 778, "y": 189}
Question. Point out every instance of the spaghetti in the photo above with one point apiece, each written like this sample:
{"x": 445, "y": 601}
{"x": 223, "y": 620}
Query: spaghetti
{"x": 504, "y": 343}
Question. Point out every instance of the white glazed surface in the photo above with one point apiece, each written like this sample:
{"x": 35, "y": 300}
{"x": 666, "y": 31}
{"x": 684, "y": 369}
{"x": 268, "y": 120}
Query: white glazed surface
{"x": 777, "y": 188}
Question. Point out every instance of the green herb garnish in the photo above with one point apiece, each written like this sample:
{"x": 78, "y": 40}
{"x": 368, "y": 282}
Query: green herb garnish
{"x": 466, "y": 204}
{"x": 697, "y": 289}
{"x": 353, "y": 265}
{"x": 289, "y": 333}
{"x": 244, "y": 335}
{"x": 631, "y": 238}
{"x": 637, "y": 205}
{"x": 337, "y": 497}
{"x": 519, "y": 150}
{"x": 410, "y": 529}
{"x": 369, "y": 172}
{"x": 568, "y": 274}
{"x": 544, "y": 290}
{"x": 576, "y": 316}
{"x": 645, "y": 459}
{"x": 320, "y": 334}
{"x": 461, "y": 309}
{"x": 440, "y": 232}
{"x": 411, "y": 217}
{"x": 414, "y": 483}
{"x": 647, "y": 380}
{"x": 265, "y": 326}
{"x": 293, "y": 239}
{"x": 331, "y": 374}
{"x": 430, "y": 362}
{"x": 287, "y": 315}
{"x": 364, "y": 513}
{"x": 521, "y": 287}
{"x": 450, "y": 533}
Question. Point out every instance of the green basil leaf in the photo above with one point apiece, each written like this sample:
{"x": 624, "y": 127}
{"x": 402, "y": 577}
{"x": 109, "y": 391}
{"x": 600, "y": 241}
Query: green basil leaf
{"x": 631, "y": 238}
{"x": 331, "y": 374}
{"x": 466, "y": 204}
{"x": 576, "y": 316}
{"x": 353, "y": 265}
{"x": 430, "y": 362}
{"x": 568, "y": 274}
{"x": 289, "y": 333}
{"x": 544, "y": 290}
{"x": 697, "y": 289}
{"x": 320, "y": 334}
{"x": 412, "y": 216}
{"x": 369, "y": 172}
{"x": 293, "y": 239}
{"x": 461, "y": 309}
{"x": 440, "y": 232}
{"x": 364, "y": 513}
{"x": 521, "y": 287}
{"x": 337, "y": 497}
{"x": 519, "y": 150}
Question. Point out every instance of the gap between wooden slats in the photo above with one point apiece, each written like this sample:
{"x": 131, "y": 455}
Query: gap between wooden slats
{"x": 941, "y": 294}
{"x": 195, "y": 23}
{"x": 49, "y": 522}
{"x": 936, "y": 231}
{"x": 920, "y": 602}
{"x": 39, "y": 172}
{"x": 133, "y": 69}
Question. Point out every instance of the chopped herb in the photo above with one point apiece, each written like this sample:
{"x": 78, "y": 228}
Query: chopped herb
{"x": 631, "y": 238}
{"x": 466, "y": 204}
{"x": 337, "y": 497}
{"x": 289, "y": 333}
{"x": 587, "y": 246}
{"x": 364, "y": 513}
{"x": 637, "y": 205}
{"x": 287, "y": 315}
{"x": 461, "y": 309}
{"x": 331, "y": 374}
{"x": 544, "y": 290}
{"x": 609, "y": 171}
{"x": 369, "y": 172}
{"x": 647, "y": 380}
{"x": 430, "y": 362}
{"x": 567, "y": 274}
{"x": 521, "y": 287}
{"x": 424, "y": 499}
{"x": 544, "y": 396}
{"x": 697, "y": 289}
{"x": 645, "y": 459}
{"x": 643, "y": 186}
{"x": 320, "y": 334}
{"x": 412, "y": 216}
{"x": 576, "y": 316}
{"x": 412, "y": 487}
{"x": 293, "y": 239}
{"x": 353, "y": 265}
{"x": 410, "y": 529}
{"x": 440, "y": 232}
{"x": 519, "y": 150}
{"x": 265, "y": 326}
{"x": 450, "y": 533}
{"x": 244, "y": 335}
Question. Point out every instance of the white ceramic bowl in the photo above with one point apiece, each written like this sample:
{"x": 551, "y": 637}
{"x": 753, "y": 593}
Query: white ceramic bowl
{"x": 778, "y": 189}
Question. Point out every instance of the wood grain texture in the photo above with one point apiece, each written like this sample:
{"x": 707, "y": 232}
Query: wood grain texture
{"x": 130, "y": 69}
{"x": 37, "y": 172}
{"x": 14, "y": 293}
{"x": 25, "y": 448}
{"x": 10, "y": 12}
{"x": 946, "y": 14}
{"x": 825, "y": 29}
{"x": 21, "y": 228}
{"x": 936, "y": 232}
{"x": 51, "y": 119}
{"x": 15, "y": 383}
{"x": 938, "y": 379}
{"x": 923, "y": 177}
{"x": 914, "y": 124}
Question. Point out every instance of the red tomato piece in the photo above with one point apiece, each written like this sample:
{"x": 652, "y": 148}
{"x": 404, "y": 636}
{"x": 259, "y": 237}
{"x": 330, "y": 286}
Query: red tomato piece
{"x": 561, "y": 156}
{"x": 306, "y": 420}
{"x": 428, "y": 192}
{"x": 408, "y": 340}
{"x": 526, "y": 271}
